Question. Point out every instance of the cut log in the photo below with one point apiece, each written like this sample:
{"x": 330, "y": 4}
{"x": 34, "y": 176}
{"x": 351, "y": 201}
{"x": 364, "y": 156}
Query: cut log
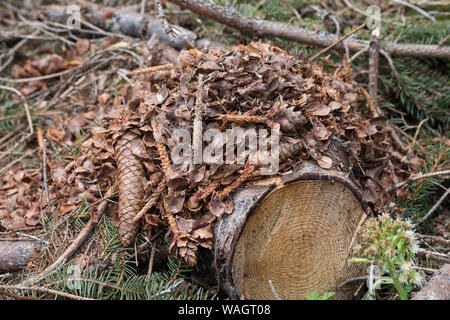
{"x": 438, "y": 288}
{"x": 15, "y": 255}
{"x": 297, "y": 233}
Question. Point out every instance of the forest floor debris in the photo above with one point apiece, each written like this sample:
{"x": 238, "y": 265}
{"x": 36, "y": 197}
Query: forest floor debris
{"x": 61, "y": 86}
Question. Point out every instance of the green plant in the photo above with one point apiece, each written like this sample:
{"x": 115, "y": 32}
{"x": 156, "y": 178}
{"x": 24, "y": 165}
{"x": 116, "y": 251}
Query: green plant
{"x": 315, "y": 296}
{"x": 391, "y": 245}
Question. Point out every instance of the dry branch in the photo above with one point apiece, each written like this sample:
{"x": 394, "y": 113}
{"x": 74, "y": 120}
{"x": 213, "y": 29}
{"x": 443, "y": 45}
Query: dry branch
{"x": 261, "y": 27}
{"x": 44, "y": 290}
{"x": 119, "y": 21}
{"x": 419, "y": 177}
{"x": 436, "y": 256}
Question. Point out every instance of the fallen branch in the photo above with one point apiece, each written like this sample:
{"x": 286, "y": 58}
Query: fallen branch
{"x": 44, "y": 290}
{"x": 419, "y": 177}
{"x": 436, "y": 256}
{"x": 437, "y": 239}
{"x": 261, "y": 27}
{"x": 16, "y": 296}
{"x": 118, "y": 22}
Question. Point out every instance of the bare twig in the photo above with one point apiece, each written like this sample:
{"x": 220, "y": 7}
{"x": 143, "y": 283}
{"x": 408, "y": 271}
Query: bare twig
{"x": 242, "y": 118}
{"x": 11, "y": 52}
{"x": 20, "y": 230}
{"x": 16, "y": 296}
{"x": 150, "y": 263}
{"x": 44, "y": 168}
{"x": 433, "y": 238}
{"x": 374, "y": 48}
{"x": 357, "y": 54}
{"x": 436, "y": 256}
{"x": 334, "y": 44}
{"x": 198, "y": 121}
{"x": 31, "y": 237}
{"x": 143, "y": 2}
{"x": 419, "y": 177}
{"x": 436, "y": 205}
{"x": 352, "y": 280}
{"x": 152, "y": 201}
{"x": 44, "y": 290}
{"x": 162, "y": 18}
{"x": 49, "y": 76}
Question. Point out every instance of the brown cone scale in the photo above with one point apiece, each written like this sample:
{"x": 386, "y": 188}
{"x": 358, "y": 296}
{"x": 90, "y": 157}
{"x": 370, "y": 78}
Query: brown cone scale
{"x": 131, "y": 188}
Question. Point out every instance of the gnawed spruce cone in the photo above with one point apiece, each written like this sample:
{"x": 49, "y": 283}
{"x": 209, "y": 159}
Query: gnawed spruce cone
{"x": 257, "y": 87}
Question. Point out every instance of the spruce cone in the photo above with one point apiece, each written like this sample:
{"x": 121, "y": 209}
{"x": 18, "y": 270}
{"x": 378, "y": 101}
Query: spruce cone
{"x": 131, "y": 187}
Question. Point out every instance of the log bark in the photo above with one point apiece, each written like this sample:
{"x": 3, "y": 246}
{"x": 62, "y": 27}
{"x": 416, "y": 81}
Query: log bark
{"x": 296, "y": 232}
{"x": 438, "y": 288}
{"x": 15, "y": 255}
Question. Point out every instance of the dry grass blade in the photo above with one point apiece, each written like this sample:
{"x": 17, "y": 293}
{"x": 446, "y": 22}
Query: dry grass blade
{"x": 25, "y": 104}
